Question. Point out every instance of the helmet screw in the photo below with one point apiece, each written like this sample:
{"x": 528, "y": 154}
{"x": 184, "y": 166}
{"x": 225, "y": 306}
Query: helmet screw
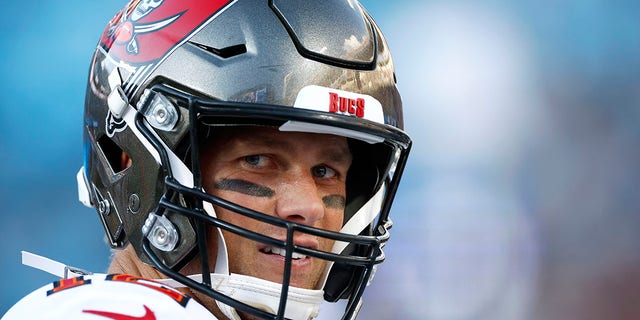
{"x": 159, "y": 111}
{"x": 161, "y": 115}
{"x": 134, "y": 203}
{"x": 104, "y": 207}
{"x": 161, "y": 233}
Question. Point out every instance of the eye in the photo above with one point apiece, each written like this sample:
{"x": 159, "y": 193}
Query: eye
{"x": 255, "y": 160}
{"x": 323, "y": 171}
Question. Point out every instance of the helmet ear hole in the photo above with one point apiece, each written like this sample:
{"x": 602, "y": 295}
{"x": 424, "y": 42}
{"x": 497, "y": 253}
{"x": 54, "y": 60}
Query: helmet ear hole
{"x": 343, "y": 277}
{"x": 339, "y": 288}
{"x": 125, "y": 160}
{"x": 116, "y": 157}
{"x": 365, "y": 174}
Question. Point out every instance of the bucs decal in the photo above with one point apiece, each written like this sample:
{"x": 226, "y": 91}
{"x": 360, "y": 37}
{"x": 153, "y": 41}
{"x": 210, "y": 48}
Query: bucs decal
{"x": 145, "y": 32}
{"x": 342, "y": 102}
{"x": 124, "y": 33}
{"x": 346, "y": 105}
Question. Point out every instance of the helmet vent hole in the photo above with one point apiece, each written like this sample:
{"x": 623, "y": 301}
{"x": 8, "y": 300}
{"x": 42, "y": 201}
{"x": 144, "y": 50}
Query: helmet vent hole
{"x": 118, "y": 160}
{"x": 224, "y": 53}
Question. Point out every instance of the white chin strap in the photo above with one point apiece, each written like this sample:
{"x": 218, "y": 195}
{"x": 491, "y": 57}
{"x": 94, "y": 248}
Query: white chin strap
{"x": 302, "y": 304}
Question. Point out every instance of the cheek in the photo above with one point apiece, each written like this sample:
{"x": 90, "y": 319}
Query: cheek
{"x": 236, "y": 244}
{"x": 260, "y": 204}
{"x": 232, "y": 217}
{"x": 333, "y": 222}
{"x": 333, "y": 219}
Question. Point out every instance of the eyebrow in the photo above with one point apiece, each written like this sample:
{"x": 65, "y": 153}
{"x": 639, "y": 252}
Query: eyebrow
{"x": 246, "y": 187}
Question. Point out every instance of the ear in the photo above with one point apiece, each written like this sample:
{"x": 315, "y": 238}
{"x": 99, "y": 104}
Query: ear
{"x": 125, "y": 161}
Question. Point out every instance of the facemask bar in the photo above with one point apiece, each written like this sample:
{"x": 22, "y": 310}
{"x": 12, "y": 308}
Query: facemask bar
{"x": 226, "y": 110}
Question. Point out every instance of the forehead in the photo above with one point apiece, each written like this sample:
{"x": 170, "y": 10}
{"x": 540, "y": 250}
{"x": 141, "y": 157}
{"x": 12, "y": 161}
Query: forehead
{"x": 252, "y": 137}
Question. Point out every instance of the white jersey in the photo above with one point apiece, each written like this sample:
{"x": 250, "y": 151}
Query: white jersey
{"x": 101, "y": 296}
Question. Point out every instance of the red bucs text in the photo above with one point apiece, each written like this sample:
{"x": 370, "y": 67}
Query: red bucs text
{"x": 346, "y": 105}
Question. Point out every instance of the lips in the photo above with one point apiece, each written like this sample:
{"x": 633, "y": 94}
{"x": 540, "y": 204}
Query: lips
{"x": 276, "y": 251}
{"x": 282, "y": 252}
{"x": 305, "y": 269}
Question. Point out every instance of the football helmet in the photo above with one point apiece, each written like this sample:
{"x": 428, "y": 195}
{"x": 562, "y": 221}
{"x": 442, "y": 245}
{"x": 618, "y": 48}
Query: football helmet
{"x": 166, "y": 72}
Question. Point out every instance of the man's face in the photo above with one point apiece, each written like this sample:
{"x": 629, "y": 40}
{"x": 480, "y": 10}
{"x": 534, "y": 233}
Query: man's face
{"x": 299, "y": 177}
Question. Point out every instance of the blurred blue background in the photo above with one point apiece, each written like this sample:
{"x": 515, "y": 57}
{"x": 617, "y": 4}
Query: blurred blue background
{"x": 521, "y": 200}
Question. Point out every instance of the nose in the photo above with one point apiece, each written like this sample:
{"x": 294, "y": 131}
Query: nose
{"x": 299, "y": 200}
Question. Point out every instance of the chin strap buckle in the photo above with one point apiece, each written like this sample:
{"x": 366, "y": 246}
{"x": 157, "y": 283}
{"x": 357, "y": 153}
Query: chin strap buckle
{"x": 53, "y": 267}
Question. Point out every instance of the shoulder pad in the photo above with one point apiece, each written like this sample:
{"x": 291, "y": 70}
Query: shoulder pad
{"x": 101, "y": 296}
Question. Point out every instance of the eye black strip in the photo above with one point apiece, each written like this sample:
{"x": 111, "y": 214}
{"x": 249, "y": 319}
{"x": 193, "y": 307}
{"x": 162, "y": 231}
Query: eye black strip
{"x": 246, "y": 187}
{"x": 334, "y": 201}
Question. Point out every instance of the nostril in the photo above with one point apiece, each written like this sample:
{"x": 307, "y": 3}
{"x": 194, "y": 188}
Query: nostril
{"x": 295, "y": 218}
